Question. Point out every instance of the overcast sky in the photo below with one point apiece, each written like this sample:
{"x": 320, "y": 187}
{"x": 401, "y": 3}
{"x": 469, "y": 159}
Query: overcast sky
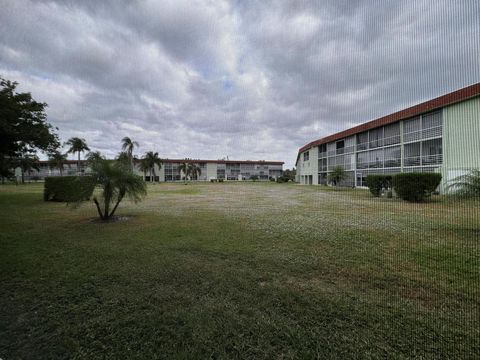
{"x": 243, "y": 79}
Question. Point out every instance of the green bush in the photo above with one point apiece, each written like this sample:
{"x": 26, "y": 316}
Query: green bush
{"x": 376, "y": 183}
{"x": 254, "y": 177}
{"x": 416, "y": 187}
{"x": 68, "y": 188}
{"x": 220, "y": 180}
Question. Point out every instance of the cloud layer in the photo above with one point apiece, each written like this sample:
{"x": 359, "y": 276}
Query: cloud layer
{"x": 244, "y": 79}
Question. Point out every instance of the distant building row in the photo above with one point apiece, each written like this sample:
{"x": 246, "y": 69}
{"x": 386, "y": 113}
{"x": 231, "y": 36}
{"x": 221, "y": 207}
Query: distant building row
{"x": 441, "y": 135}
{"x": 169, "y": 171}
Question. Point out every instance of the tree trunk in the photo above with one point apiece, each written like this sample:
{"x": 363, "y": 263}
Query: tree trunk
{"x": 98, "y": 208}
{"x": 23, "y": 177}
{"x": 120, "y": 197}
{"x": 78, "y": 163}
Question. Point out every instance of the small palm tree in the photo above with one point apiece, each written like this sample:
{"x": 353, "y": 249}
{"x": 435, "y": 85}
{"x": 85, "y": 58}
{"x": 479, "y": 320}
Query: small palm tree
{"x": 57, "y": 161}
{"x": 115, "y": 181}
{"x": 27, "y": 163}
{"x": 144, "y": 166}
{"x": 195, "y": 171}
{"x": 467, "y": 185}
{"x": 77, "y": 145}
{"x": 93, "y": 156}
{"x": 127, "y": 146}
{"x": 337, "y": 175}
{"x": 151, "y": 160}
{"x": 185, "y": 168}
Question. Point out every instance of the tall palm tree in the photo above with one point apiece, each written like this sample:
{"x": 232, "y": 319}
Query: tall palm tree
{"x": 127, "y": 146}
{"x": 77, "y": 145}
{"x": 151, "y": 160}
{"x": 57, "y": 160}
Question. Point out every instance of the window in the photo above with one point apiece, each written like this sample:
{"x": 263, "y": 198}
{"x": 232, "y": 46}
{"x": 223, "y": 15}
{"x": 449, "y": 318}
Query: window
{"x": 362, "y": 160}
{"x": 393, "y": 156}
{"x": 362, "y": 141}
{"x": 391, "y": 134}
{"x": 432, "y": 152}
{"x": 412, "y": 154}
{"x": 411, "y": 129}
{"x": 340, "y": 146}
{"x": 306, "y": 156}
{"x": 322, "y": 150}
{"x": 432, "y": 125}
{"x": 375, "y": 158}
{"x": 376, "y": 137}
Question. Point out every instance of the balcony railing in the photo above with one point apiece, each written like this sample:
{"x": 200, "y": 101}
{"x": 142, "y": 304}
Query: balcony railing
{"x": 435, "y": 131}
{"x": 423, "y": 160}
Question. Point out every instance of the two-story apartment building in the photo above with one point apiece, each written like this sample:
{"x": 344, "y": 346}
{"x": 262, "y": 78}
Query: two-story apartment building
{"x": 441, "y": 135}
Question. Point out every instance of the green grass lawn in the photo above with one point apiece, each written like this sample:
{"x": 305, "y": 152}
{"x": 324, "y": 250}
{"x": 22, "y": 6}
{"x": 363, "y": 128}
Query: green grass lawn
{"x": 242, "y": 270}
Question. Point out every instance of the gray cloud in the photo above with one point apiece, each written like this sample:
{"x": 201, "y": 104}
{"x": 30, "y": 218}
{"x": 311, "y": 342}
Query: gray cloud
{"x": 247, "y": 79}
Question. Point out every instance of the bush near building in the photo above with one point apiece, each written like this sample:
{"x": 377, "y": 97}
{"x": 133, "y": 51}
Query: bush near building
{"x": 68, "y": 188}
{"x": 416, "y": 187}
{"x": 376, "y": 183}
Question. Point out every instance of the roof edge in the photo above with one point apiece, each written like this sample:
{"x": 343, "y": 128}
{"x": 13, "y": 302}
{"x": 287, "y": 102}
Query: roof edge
{"x": 451, "y": 98}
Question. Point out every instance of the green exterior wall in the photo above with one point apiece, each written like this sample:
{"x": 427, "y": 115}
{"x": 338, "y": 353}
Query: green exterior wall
{"x": 461, "y": 139}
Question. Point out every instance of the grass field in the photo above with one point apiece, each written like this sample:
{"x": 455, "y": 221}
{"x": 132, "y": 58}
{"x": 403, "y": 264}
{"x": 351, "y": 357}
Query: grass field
{"x": 252, "y": 271}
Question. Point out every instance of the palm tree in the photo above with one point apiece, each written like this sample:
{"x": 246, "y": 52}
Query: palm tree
{"x": 77, "y": 145}
{"x": 337, "y": 175}
{"x": 27, "y": 163}
{"x": 115, "y": 181}
{"x": 151, "y": 159}
{"x": 186, "y": 169}
{"x": 195, "y": 171}
{"x": 467, "y": 185}
{"x": 93, "y": 156}
{"x": 127, "y": 146}
{"x": 144, "y": 166}
{"x": 57, "y": 160}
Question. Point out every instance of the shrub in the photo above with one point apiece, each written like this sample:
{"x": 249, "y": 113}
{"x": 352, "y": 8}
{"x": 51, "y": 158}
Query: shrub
{"x": 68, "y": 188}
{"x": 220, "y": 180}
{"x": 376, "y": 183}
{"x": 254, "y": 177}
{"x": 416, "y": 187}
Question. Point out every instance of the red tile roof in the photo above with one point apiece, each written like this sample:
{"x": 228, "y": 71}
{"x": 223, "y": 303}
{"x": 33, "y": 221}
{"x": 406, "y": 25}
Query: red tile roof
{"x": 437, "y": 103}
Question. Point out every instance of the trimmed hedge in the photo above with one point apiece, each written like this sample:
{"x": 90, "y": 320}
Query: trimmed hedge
{"x": 416, "y": 187}
{"x": 68, "y": 188}
{"x": 376, "y": 183}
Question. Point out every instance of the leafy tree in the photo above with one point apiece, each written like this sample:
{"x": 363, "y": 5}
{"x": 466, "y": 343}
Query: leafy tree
{"x": 127, "y": 146}
{"x": 23, "y": 127}
{"x": 337, "y": 175}
{"x": 6, "y": 168}
{"x": 77, "y": 145}
{"x": 57, "y": 160}
{"x": 467, "y": 185}
{"x": 27, "y": 163}
{"x": 289, "y": 175}
{"x": 115, "y": 181}
{"x": 151, "y": 159}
